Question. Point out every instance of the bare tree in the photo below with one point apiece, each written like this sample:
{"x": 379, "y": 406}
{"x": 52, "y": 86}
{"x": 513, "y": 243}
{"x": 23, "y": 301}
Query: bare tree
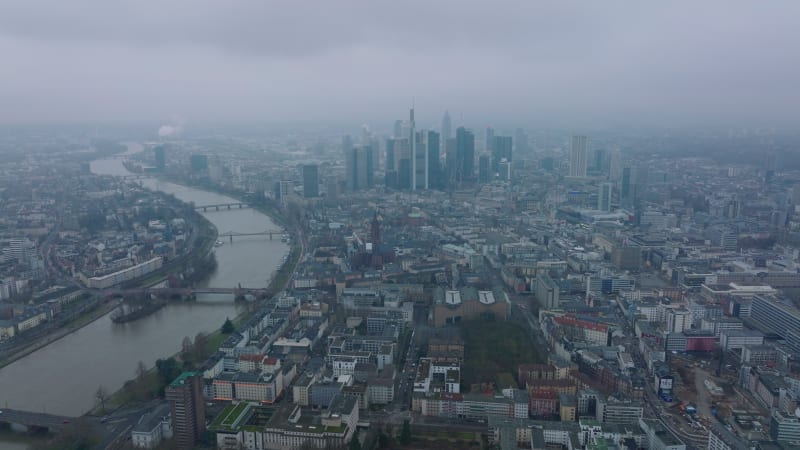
{"x": 200, "y": 346}
{"x": 101, "y": 395}
{"x": 187, "y": 344}
{"x": 141, "y": 371}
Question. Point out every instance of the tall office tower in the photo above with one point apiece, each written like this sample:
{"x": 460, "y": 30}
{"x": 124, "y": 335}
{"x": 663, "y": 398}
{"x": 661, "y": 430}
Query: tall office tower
{"x": 521, "y": 141}
{"x": 363, "y": 165}
{"x": 484, "y": 170}
{"x": 398, "y": 163}
{"x": 421, "y": 160}
{"x": 770, "y": 166}
{"x": 447, "y": 127}
{"x": 310, "y": 181}
{"x": 358, "y": 161}
{"x": 404, "y": 173}
{"x": 398, "y": 128}
{"x": 615, "y": 166}
{"x": 419, "y": 157}
{"x": 450, "y": 159}
{"x": 389, "y": 162}
{"x": 465, "y": 155}
{"x": 632, "y": 185}
{"x": 199, "y": 163}
{"x": 604, "y": 197}
{"x": 504, "y": 171}
{"x": 502, "y": 150}
{"x": 332, "y": 190}
{"x": 488, "y": 141}
{"x": 435, "y": 180}
{"x": 375, "y": 146}
{"x": 284, "y": 190}
{"x": 578, "y": 157}
{"x": 598, "y": 160}
{"x": 185, "y": 396}
{"x": 160, "y": 155}
{"x": 350, "y": 169}
{"x": 626, "y": 186}
{"x": 640, "y": 176}
{"x": 347, "y": 143}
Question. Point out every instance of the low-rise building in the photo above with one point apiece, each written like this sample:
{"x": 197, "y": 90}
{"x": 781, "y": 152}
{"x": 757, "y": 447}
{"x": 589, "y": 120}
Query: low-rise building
{"x": 784, "y": 428}
{"x": 473, "y": 406}
{"x": 152, "y": 428}
{"x": 658, "y": 437}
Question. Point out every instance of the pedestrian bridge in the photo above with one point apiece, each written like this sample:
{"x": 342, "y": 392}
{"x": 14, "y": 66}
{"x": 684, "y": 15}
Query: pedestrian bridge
{"x": 35, "y": 420}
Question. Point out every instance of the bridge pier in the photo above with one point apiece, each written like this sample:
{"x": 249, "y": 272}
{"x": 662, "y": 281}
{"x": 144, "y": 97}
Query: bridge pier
{"x": 217, "y": 207}
{"x": 229, "y": 207}
{"x": 204, "y": 209}
{"x": 231, "y": 236}
{"x": 241, "y": 206}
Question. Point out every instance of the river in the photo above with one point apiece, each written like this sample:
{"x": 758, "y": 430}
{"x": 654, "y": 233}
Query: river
{"x": 62, "y": 377}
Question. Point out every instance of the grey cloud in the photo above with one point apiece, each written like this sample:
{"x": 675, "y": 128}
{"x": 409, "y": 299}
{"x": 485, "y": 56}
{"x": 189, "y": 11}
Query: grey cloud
{"x": 363, "y": 61}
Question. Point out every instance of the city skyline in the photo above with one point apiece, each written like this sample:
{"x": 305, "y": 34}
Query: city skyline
{"x": 365, "y": 225}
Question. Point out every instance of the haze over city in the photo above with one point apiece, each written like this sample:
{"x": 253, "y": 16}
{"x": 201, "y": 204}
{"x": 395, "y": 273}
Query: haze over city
{"x": 564, "y": 64}
{"x": 407, "y": 225}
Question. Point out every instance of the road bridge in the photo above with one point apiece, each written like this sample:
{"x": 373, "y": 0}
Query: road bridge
{"x": 218, "y": 206}
{"x": 231, "y": 234}
{"x": 35, "y": 420}
{"x": 185, "y": 291}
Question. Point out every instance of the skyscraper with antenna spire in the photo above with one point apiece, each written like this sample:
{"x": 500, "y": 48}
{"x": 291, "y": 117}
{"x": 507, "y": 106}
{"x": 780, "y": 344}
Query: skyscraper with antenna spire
{"x": 447, "y": 127}
{"x": 412, "y": 142}
{"x": 420, "y": 172}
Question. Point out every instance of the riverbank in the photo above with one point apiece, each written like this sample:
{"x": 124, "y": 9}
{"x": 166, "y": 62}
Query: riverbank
{"x": 282, "y": 276}
{"x": 138, "y": 391}
{"x": 62, "y": 332}
{"x": 206, "y": 234}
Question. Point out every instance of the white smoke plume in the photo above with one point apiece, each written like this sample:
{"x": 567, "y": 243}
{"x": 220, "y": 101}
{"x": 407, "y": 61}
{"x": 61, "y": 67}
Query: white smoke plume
{"x": 172, "y": 129}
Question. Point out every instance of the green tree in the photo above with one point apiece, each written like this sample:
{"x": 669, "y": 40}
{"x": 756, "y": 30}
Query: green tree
{"x": 355, "y": 443}
{"x": 384, "y": 440}
{"x": 167, "y": 369}
{"x": 405, "y": 433}
{"x": 227, "y": 327}
{"x": 79, "y": 435}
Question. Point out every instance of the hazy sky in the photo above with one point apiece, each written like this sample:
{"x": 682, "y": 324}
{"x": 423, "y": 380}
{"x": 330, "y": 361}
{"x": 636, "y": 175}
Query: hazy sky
{"x": 527, "y": 62}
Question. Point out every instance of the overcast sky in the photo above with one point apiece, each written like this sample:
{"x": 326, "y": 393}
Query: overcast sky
{"x": 560, "y": 63}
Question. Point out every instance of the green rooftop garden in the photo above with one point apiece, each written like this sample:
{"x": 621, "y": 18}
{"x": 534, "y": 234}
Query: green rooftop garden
{"x": 228, "y": 417}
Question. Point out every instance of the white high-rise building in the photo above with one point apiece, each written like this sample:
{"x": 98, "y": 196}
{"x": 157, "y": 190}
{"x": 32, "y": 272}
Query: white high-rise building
{"x": 579, "y": 157}
{"x": 447, "y": 127}
{"x": 678, "y": 320}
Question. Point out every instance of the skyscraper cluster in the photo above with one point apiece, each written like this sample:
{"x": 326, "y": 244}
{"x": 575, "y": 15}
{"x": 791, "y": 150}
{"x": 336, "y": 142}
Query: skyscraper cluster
{"x": 417, "y": 159}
